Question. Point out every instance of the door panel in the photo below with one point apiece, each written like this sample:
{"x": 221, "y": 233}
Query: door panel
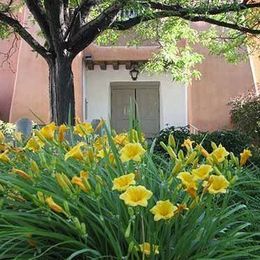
{"x": 120, "y": 104}
{"x": 147, "y": 100}
{"x": 146, "y": 95}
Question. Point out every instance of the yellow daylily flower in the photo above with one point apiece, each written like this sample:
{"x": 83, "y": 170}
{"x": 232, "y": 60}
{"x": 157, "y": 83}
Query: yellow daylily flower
{"x": 47, "y": 132}
{"x": 188, "y": 144}
{"x": 121, "y": 139}
{"x": 61, "y": 132}
{"x": 79, "y": 182}
{"x": 147, "y": 248}
{"x": 188, "y": 180}
{"x": 2, "y": 137}
{"x": 53, "y": 206}
{"x": 136, "y": 196}
{"x": 132, "y": 151}
{"x": 219, "y": 154}
{"x": 4, "y": 157}
{"x": 216, "y": 184}
{"x": 244, "y": 156}
{"x": 34, "y": 144}
{"x": 22, "y": 174}
{"x": 203, "y": 151}
{"x": 75, "y": 152}
{"x": 181, "y": 208}
{"x": 123, "y": 182}
{"x": 202, "y": 172}
{"x": 163, "y": 209}
{"x": 84, "y": 174}
{"x": 83, "y": 129}
{"x": 101, "y": 142}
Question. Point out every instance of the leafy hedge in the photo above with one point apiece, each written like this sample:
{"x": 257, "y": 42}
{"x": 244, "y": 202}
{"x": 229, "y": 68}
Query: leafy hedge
{"x": 233, "y": 140}
{"x": 245, "y": 115}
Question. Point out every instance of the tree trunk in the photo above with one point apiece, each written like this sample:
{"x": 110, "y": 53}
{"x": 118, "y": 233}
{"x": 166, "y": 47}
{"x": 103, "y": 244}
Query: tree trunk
{"x": 62, "y": 100}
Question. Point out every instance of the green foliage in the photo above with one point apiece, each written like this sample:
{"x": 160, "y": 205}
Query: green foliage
{"x": 233, "y": 140}
{"x": 96, "y": 224}
{"x": 245, "y": 115}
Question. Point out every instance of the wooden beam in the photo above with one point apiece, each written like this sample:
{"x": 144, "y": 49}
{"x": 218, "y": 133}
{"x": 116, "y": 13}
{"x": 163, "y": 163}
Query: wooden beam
{"x": 115, "y": 65}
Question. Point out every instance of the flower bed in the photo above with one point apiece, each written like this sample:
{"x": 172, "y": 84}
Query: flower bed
{"x": 103, "y": 196}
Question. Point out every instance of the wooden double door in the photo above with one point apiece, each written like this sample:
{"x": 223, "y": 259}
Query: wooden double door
{"x": 142, "y": 98}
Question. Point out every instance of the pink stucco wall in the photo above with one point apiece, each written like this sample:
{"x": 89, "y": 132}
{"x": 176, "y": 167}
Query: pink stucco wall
{"x": 209, "y": 96}
{"x": 30, "y": 97}
{"x": 7, "y": 77}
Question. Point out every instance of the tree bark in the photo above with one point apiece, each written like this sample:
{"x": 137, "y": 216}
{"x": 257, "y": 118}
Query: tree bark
{"x": 62, "y": 101}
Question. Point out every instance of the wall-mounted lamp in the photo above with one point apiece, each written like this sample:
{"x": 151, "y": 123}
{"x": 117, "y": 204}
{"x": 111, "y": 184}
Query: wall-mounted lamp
{"x": 134, "y": 72}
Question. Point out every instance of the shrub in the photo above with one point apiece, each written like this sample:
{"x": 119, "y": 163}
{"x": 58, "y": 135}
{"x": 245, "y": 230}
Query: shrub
{"x": 245, "y": 115}
{"x": 103, "y": 196}
{"x": 233, "y": 140}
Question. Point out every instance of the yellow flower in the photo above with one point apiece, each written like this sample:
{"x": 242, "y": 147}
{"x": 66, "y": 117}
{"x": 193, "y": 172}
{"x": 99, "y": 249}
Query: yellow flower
{"x": 34, "y": 144}
{"x": 121, "y": 139}
{"x": 61, "y": 132}
{"x": 188, "y": 144}
{"x": 202, "y": 172}
{"x": 78, "y": 181}
{"x": 47, "y": 132}
{"x": 132, "y": 151}
{"x": 82, "y": 181}
{"x": 22, "y": 174}
{"x": 146, "y": 249}
{"x": 101, "y": 142}
{"x": 84, "y": 174}
{"x": 102, "y": 153}
{"x": 123, "y": 182}
{"x": 2, "y": 137}
{"x": 181, "y": 208}
{"x": 187, "y": 180}
{"x": 203, "y": 151}
{"x": 163, "y": 209}
{"x": 75, "y": 152}
{"x": 219, "y": 154}
{"x": 54, "y": 206}
{"x": 136, "y": 196}
{"x": 83, "y": 129}
{"x": 244, "y": 156}
{"x": 4, "y": 157}
{"x": 216, "y": 184}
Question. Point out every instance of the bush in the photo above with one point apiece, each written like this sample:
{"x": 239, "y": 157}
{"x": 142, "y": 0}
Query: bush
{"x": 103, "y": 196}
{"x": 245, "y": 115}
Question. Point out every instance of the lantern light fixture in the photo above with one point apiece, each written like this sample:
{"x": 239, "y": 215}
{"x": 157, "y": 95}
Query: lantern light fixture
{"x": 134, "y": 72}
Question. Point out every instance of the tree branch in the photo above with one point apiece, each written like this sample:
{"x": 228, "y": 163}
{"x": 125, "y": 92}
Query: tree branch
{"x": 90, "y": 31}
{"x": 39, "y": 15}
{"x": 54, "y": 11}
{"x": 18, "y": 28}
{"x": 83, "y": 9}
{"x": 224, "y": 8}
{"x": 125, "y": 25}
